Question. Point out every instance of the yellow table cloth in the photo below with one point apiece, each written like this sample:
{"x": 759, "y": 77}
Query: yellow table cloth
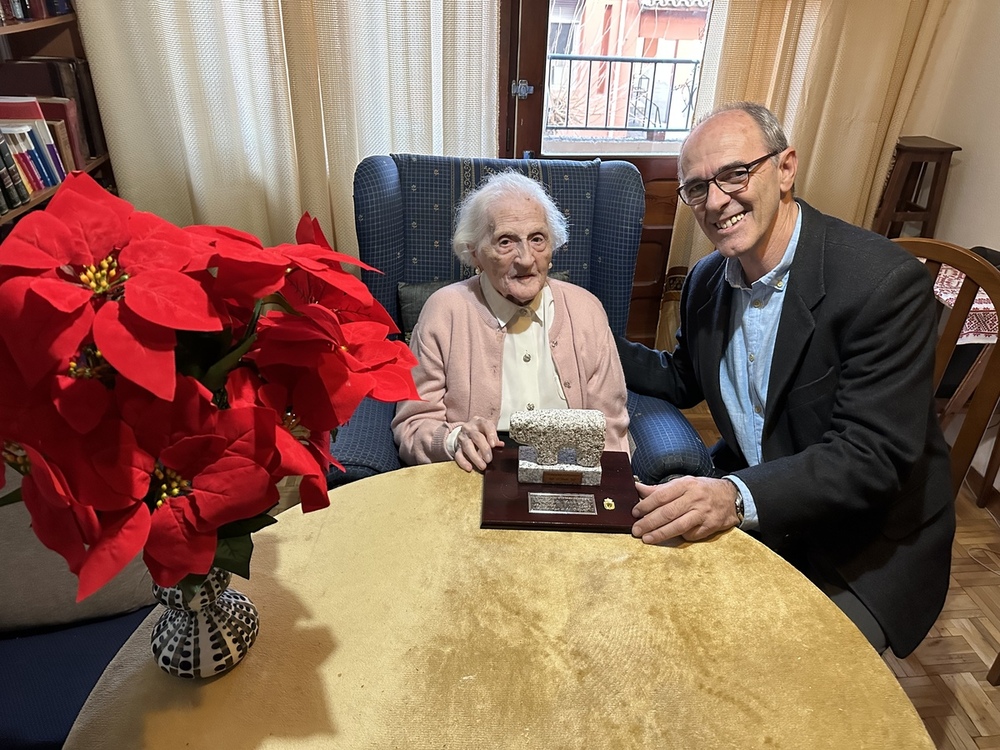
{"x": 391, "y": 620}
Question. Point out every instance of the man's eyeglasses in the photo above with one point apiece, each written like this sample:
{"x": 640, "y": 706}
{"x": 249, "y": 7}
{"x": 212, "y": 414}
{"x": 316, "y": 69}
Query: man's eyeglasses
{"x": 730, "y": 180}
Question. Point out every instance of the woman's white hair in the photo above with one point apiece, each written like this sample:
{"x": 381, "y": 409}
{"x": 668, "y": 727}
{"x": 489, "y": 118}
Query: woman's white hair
{"x": 474, "y": 227}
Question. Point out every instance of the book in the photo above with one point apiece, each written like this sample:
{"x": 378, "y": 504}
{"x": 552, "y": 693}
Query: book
{"x": 41, "y": 78}
{"x": 7, "y": 188}
{"x": 26, "y": 179}
{"x": 31, "y": 149}
{"x": 28, "y": 109}
{"x": 17, "y": 9}
{"x": 33, "y": 78}
{"x": 63, "y": 108}
{"x": 21, "y": 146}
{"x": 78, "y": 69}
{"x": 38, "y": 148}
{"x": 4, "y": 207}
{"x": 38, "y": 9}
{"x": 61, "y": 136}
{"x": 15, "y": 174}
{"x": 607, "y": 507}
{"x": 59, "y": 7}
{"x": 23, "y": 166}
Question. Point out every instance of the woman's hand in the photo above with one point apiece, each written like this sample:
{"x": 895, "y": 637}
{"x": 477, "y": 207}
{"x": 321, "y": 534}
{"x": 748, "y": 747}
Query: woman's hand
{"x": 476, "y": 440}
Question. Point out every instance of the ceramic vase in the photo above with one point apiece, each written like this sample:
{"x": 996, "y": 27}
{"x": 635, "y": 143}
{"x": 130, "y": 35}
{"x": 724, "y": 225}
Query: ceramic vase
{"x": 206, "y": 636}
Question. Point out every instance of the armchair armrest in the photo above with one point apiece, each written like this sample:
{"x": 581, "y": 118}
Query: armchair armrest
{"x": 364, "y": 445}
{"x": 665, "y": 442}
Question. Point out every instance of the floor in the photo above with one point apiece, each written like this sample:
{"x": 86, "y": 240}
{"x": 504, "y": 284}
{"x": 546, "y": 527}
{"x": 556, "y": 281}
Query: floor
{"x": 945, "y": 677}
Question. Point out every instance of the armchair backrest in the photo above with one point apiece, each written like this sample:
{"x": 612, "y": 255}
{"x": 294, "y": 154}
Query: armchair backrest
{"x": 405, "y": 207}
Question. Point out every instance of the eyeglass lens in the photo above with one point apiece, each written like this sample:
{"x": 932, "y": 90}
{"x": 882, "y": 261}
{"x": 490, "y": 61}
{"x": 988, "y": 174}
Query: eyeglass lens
{"x": 729, "y": 181}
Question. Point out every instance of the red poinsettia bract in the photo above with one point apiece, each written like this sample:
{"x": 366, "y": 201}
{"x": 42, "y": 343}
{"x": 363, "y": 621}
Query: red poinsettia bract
{"x": 157, "y": 382}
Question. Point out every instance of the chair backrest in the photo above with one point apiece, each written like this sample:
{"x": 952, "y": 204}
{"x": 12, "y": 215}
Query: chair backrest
{"x": 405, "y": 207}
{"x": 979, "y": 274}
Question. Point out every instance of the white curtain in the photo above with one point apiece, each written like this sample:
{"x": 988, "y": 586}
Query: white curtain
{"x": 249, "y": 112}
{"x": 839, "y": 74}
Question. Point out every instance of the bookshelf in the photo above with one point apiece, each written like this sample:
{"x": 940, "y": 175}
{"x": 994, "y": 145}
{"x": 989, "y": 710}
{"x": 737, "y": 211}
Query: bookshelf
{"x": 57, "y": 36}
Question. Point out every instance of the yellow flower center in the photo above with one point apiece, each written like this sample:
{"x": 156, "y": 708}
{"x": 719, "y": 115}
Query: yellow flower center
{"x": 14, "y": 455}
{"x": 172, "y": 484}
{"x": 102, "y": 276}
{"x": 89, "y": 364}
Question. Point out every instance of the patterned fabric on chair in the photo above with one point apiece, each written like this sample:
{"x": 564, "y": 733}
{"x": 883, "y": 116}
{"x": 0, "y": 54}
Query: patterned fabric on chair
{"x": 405, "y": 207}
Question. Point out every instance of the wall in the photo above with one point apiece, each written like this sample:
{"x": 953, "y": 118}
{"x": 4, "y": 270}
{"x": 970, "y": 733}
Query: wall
{"x": 957, "y": 102}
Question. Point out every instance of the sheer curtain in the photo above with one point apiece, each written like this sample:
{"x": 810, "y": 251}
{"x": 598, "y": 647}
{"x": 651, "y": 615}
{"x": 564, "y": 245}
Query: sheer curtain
{"x": 840, "y": 74}
{"x": 249, "y": 112}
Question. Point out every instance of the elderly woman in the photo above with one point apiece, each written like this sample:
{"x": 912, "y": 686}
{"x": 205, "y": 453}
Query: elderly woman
{"x": 509, "y": 338}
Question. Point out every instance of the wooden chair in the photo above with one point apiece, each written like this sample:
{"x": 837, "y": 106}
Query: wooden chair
{"x": 983, "y": 381}
{"x": 977, "y": 396}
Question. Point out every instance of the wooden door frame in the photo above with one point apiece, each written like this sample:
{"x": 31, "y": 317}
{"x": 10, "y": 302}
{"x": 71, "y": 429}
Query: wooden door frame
{"x": 522, "y": 53}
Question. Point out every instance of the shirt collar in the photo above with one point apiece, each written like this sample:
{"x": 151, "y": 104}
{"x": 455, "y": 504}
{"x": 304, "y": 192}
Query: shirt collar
{"x": 504, "y": 309}
{"x": 777, "y": 276}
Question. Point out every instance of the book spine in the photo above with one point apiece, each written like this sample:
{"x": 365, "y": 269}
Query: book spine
{"x": 25, "y": 163}
{"x": 38, "y": 157}
{"x": 58, "y": 7}
{"x": 38, "y": 10}
{"x": 26, "y": 178}
{"x": 56, "y": 161}
{"x": 15, "y": 175}
{"x": 88, "y": 100}
{"x": 4, "y": 207}
{"x": 61, "y": 137}
{"x": 18, "y": 10}
{"x": 9, "y": 192}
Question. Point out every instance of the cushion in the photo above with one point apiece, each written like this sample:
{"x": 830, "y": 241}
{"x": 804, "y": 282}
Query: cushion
{"x": 411, "y": 301}
{"x": 42, "y": 592}
{"x": 665, "y": 442}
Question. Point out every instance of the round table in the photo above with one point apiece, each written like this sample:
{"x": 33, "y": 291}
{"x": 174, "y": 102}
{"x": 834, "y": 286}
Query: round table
{"x": 391, "y": 620}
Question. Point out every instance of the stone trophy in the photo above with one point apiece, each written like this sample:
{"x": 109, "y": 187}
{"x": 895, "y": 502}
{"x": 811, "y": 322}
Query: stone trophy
{"x": 559, "y": 446}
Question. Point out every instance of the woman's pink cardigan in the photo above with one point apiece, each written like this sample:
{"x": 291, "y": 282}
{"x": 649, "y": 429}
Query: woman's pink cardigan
{"x": 459, "y": 345}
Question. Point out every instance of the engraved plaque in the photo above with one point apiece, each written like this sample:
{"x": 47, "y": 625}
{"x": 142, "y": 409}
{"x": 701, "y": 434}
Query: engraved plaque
{"x": 558, "y": 502}
{"x": 562, "y": 477}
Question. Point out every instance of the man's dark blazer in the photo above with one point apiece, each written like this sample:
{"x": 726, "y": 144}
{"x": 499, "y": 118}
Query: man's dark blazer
{"x": 855, "y": 474}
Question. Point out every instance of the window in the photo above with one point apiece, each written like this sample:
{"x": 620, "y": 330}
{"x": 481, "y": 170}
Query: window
{"x": 622, "y": 75}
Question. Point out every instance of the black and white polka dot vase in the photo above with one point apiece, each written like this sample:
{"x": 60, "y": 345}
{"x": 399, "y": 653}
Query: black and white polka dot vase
{"x": 207, "y": 636}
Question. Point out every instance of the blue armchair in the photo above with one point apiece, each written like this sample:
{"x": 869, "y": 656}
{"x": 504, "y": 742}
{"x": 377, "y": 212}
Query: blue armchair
{"x": 405, "y": 213}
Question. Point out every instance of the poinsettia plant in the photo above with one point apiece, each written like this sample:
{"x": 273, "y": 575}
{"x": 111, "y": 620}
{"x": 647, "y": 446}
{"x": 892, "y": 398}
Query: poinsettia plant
{"x": 157, "y": 382}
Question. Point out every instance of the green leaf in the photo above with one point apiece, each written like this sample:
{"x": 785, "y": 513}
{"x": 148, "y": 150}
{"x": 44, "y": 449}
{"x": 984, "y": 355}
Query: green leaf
{"x": 190, "y": 586}
{"x": 246, "y": 526}
{"x": 13, "y": 497}
{"x": 233, "y": 554}
{"x": 215, "y": 376}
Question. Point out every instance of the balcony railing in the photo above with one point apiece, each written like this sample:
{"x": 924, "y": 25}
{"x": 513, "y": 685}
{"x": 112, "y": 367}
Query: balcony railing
{"x": 600, "y": 96}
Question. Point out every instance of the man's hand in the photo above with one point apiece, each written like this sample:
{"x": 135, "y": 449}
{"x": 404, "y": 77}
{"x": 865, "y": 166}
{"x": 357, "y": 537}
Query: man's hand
{"x": 688, "y": 507}
{"x": 476, "y": 440}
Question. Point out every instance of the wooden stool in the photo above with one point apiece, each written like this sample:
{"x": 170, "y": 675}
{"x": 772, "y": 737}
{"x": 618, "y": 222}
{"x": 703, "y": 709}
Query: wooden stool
{"x": 914, "y": 155}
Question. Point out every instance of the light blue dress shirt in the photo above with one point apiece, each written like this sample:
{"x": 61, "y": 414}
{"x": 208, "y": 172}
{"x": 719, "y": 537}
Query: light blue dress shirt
{"x": 746, "y": 368}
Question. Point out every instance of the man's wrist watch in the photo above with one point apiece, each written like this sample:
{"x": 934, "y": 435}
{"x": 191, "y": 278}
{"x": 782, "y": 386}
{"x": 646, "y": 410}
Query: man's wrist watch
{"x": 740, "y": 514}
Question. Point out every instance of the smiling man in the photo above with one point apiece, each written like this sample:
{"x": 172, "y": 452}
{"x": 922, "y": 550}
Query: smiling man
{"x": 812, "y": 341}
